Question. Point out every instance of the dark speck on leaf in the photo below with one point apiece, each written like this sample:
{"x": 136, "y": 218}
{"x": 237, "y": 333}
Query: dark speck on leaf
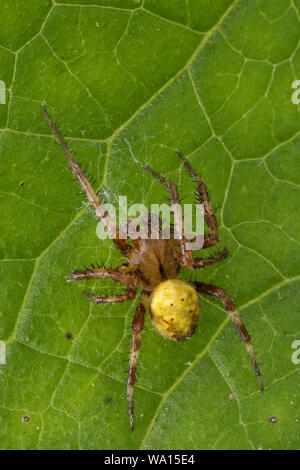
{"x": 69, "y": 335}
{"x": 273, "y": 420}
{"x": 25, "y": 419}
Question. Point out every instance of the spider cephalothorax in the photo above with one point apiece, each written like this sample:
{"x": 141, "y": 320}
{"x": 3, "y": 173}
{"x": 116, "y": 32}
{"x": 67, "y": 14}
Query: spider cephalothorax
{"x": 154, "y": 265}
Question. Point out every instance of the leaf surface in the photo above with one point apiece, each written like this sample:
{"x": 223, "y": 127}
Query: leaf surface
{"x": 128, "y": 83}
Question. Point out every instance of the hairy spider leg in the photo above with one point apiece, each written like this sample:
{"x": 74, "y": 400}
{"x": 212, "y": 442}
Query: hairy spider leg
{"x": 212, "y": 238}
{"x": 136, "y": 331}
{"x": 138, "y": 320}
{"x": 111, "y": 299}
{"x": 105, "y": 273}
{"x": 186, "y": 259}
{"x": 185, "y": 255}
{"x": 203, "y": 262}
{"x": 120, "y": 240}
{"x": 220, "y": 293}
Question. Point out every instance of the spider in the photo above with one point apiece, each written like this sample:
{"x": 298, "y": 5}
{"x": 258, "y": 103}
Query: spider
{"x": 154, "y": 266}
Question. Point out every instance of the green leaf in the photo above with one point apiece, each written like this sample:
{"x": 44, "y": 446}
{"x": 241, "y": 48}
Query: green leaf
{"x": 128, "y": 82}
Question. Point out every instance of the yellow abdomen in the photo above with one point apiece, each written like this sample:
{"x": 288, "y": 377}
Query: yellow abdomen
{"x": 175, "y": 309}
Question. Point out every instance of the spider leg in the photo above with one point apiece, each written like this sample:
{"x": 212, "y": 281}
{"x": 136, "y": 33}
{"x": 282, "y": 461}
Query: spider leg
{"x": 137, "y": 326}
{"x": 101, "y": 273}
{"x": 203, "y": 262}
{"x": 212, "y": 238}
{"x": 112, "y": 299}
{"x": 220, "y": 293}
{"x": 105, "y": 273}
{"x": 185, "y": 255}
{"x": 121, "y": 243}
